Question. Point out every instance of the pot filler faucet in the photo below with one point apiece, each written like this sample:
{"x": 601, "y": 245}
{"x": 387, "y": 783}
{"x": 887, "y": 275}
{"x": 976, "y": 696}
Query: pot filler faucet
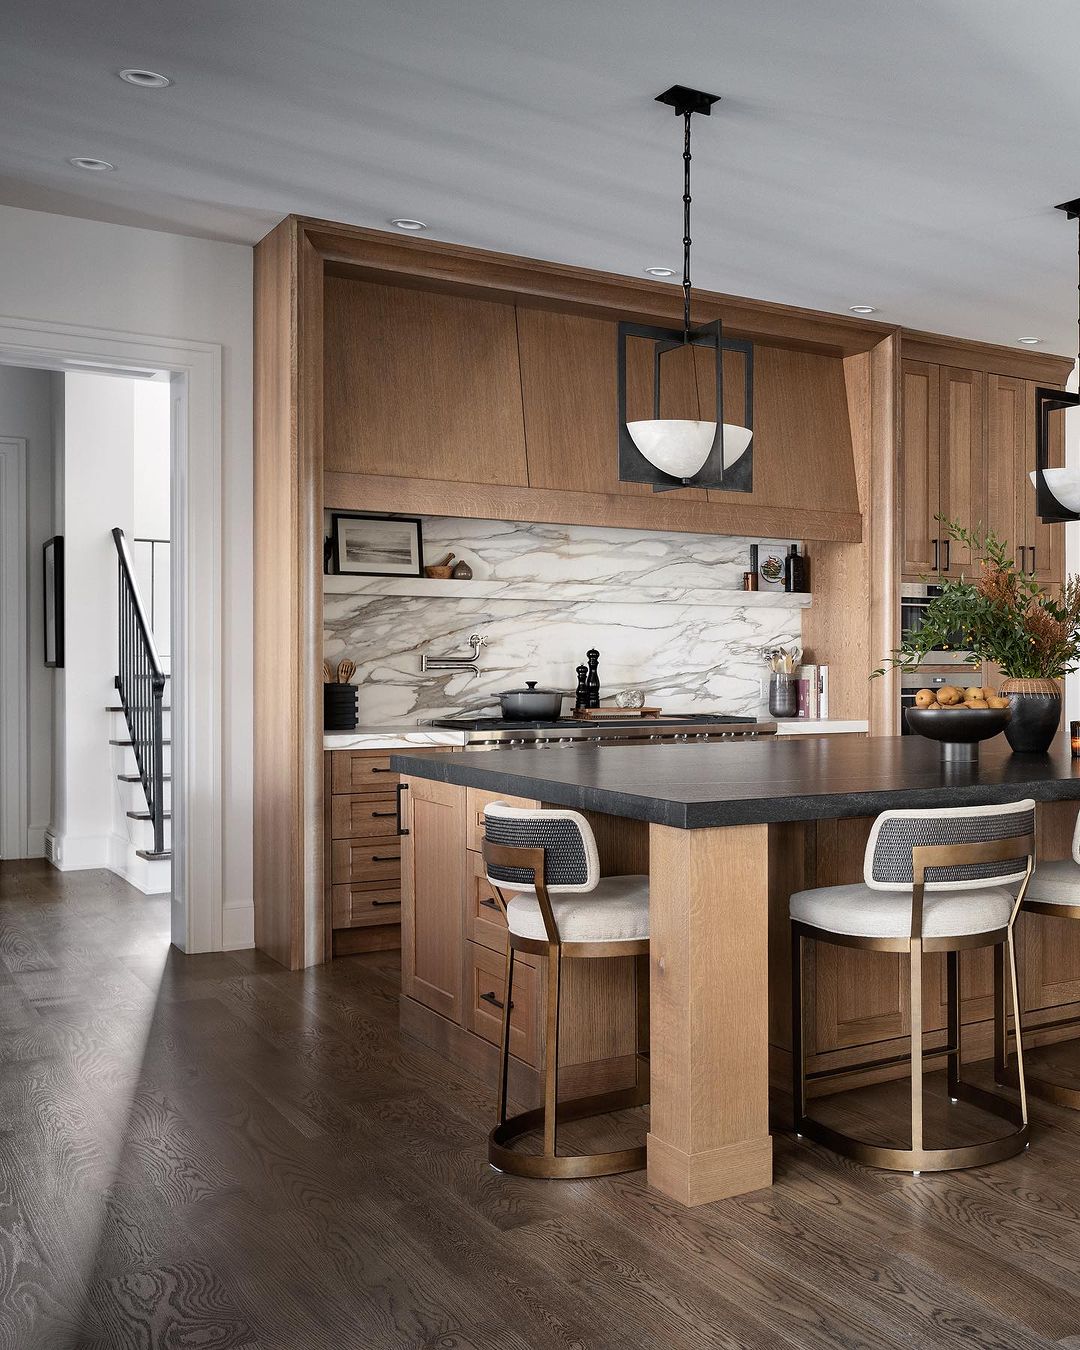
{"x": 456, "y": 662}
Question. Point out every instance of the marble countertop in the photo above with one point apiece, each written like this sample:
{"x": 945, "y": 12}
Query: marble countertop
{"x": 753, "y": 782}
{"x": 391, "y": 738}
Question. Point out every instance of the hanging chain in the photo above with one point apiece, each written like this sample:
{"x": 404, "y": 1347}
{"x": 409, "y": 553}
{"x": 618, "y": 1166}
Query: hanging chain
{"x": 686, "y": 227}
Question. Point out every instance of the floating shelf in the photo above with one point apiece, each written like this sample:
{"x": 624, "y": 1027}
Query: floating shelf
{"x": 621, "y": 593}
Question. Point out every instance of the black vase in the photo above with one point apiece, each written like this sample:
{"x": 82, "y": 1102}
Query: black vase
{"x": 1036, "y": 712}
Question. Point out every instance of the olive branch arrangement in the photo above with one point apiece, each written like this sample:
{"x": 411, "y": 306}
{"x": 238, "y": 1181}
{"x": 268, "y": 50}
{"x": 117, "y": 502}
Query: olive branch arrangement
{"x": 999, "y": 614}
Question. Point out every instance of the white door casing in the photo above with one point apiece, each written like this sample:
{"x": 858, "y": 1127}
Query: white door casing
{"x": 197, "y": 683}
{"x": 14, "y": 635}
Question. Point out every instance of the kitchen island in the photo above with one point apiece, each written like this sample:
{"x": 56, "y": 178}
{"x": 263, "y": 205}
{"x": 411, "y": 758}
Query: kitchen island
{"x": 732, "y": 830}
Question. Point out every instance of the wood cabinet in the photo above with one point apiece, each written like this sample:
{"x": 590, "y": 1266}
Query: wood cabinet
{"x": 454, "y": 947}
{"x": 968, "y": 447}
{"x": 421, "y": 384}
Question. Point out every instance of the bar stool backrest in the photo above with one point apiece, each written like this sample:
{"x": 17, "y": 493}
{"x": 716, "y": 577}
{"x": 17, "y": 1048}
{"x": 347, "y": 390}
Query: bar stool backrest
{"x": 571, "y": 862}
{"x": 887, "y": 865}
{"x": 1076, "y": 842}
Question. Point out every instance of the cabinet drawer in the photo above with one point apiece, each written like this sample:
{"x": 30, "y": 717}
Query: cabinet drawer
{"x": 475, "y": 801}
{"x": 363, "y": 817}
{"x": 362, "y": 771}
{"x": 484, "y": 922}
{"x": 484, "y": 990}
{"x": 365, "y": 860}
{"x": 365, "y": 905}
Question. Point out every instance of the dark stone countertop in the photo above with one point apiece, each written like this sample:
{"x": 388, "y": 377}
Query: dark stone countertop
{"x": 752, "y": 782}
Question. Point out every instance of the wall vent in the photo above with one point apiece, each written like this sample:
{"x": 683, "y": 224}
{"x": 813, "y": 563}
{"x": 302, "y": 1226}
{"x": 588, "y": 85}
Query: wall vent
{"x": 52, "y": 848}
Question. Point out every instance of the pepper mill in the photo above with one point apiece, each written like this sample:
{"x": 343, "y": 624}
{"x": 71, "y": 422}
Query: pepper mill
{"x": 592, "y": 680}
{"x": 581, "y": 698}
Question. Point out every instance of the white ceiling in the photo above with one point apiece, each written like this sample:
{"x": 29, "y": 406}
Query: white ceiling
{"x": 903, "y": 155}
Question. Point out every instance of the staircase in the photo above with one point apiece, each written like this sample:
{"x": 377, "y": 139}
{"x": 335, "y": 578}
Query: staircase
{"x": 139, "y": 736}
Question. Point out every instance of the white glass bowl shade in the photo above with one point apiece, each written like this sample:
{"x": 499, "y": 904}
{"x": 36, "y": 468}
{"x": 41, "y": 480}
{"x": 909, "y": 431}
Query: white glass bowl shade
{"x": 1063, "y": 483}
{"x": 680, "y": 447}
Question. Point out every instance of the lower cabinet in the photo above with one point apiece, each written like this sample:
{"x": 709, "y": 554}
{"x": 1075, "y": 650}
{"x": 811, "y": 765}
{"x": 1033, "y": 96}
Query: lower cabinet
{"x": 453, "y": 959}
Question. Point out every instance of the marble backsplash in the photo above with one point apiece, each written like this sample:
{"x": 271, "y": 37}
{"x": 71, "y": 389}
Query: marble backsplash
{"x": 687, "y": 657}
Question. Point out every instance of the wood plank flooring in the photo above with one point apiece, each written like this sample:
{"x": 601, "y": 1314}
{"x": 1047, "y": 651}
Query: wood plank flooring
{"x": 210, "y": 1153}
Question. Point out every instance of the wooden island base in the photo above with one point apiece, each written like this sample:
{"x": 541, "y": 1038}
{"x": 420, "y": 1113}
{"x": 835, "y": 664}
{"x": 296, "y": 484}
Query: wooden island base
{"x": 719, "y": 970}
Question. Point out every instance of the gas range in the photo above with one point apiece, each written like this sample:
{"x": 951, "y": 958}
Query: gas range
{"x": 499, "y": 733}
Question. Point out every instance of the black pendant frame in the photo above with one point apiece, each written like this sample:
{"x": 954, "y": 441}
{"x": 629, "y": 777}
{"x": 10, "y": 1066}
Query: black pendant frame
{"x": 633, "y": 466}
{"x": 1047, "y": 403}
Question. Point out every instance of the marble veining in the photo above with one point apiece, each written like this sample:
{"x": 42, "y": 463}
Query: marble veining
{"x": 688, "y": 657}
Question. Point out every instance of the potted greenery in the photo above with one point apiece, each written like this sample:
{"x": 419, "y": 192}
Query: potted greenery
{"x": 1002, "y": 614}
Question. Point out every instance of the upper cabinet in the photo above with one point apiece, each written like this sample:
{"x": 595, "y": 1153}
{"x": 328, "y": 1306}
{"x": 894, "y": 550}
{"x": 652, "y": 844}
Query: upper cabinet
{"x": 968, "y": 446}
{"x": 421, "y": 385}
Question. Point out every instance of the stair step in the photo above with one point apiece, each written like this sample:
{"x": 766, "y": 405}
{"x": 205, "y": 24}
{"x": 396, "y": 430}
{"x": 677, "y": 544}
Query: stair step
{"x": 148, "y": 853}
{"x": 131, "y": 743}
{"x": 135, "y": 778}
{"x": 145, "y": 815}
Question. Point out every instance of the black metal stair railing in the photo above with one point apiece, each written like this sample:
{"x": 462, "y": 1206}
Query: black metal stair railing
{"x": 141, "y": 686}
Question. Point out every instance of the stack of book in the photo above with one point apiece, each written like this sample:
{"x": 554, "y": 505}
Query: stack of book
{"x": 812, "y": 683}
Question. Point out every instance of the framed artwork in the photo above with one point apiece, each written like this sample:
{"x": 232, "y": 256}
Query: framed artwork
{"x": 53, "y": 562}
{"x": 376, "y": 546}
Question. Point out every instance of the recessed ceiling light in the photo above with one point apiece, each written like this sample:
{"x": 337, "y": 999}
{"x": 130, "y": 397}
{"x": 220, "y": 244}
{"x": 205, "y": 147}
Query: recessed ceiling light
{"x": 660, "y": 271}
{"x": 862, "y": 309}
{"x": 145, "y": 79}
{"x": 93, "y": 165}
{"x": 404, "y": 223}
{"x": 1029, "y": 342}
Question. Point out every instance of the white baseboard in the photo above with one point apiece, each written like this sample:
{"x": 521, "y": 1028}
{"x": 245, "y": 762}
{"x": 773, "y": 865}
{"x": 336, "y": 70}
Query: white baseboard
{"x": 79, "y": 853}
{"x": 150, "y": 877}
{"x": 238, "y": 925}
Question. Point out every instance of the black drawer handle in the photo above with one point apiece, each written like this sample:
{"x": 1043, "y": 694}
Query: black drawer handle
{"x": 385, "y": 857}
{"x": 489, "y": 997}
{"x": 378, "y": 815}
{"x": 385, "y": 902}
{"x": 375, "y": 769}
{"x": 489, "y": 904}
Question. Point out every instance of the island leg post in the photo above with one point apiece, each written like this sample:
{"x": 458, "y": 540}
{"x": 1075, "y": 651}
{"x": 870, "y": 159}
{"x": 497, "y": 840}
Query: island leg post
{"x": 709, "y": 1019}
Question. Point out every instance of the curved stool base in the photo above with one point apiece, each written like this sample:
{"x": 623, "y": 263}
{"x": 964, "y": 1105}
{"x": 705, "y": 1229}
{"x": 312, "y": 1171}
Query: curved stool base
{"x": 560, "y": 1166}
{"x": 1048, "y": 1091}
{"x": 930, "y": 1159}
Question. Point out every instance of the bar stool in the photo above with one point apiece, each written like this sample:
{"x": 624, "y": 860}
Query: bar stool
{"x": 933, "y": 881}
{"x": 544, "y": 869}
{"x": 1054, "y": 890}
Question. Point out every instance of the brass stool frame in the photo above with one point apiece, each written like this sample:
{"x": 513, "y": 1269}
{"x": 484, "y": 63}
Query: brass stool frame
{"x": 918, "y": 1158}
{"x": 1038, "y": 1086}
{"x": 550, "y": 1163}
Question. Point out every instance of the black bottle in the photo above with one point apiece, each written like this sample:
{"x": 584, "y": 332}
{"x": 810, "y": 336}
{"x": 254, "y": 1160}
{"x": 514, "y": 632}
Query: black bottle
{"x": 796, "y": 571}
{"x": 581, "y": 698}
{"x": 592, "y": 680}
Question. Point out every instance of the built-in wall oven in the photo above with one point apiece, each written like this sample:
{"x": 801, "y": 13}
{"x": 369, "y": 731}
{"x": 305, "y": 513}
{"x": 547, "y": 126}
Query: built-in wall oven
{"x": 914, "y": 598}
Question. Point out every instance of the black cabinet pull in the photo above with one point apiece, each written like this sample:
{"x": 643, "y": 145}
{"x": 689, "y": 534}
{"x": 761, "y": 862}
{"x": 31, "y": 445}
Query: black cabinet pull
{"x": 489, "y": 904}
{"x": 385, "y": 902}
{"x": 384, "y": 857}
{"x": 1033, "y": 557}
{"x": 401, "y": 787}
{"x": 378, "y": 815}
{"x": 935, "y": 542}
{"x": 948, "y": 553}
{"x": 489, "y": 997}
{"x": 375, "y": 769}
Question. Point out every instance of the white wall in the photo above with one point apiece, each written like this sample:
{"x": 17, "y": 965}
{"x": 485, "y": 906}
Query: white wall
{"x": 151, "y": 459}
{"x": 98, "y": 488}
{"x": 26, "y": 411}
{"x": 96, "y": 276}
{"x": 1072, "y": 539}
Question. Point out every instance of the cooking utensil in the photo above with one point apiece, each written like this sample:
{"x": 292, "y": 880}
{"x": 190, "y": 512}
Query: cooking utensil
{"x": 345, "y": 671}
{"x": 441, "y": 570}
{"x": 327, "y": 676}
{"x": 531, "y": 704}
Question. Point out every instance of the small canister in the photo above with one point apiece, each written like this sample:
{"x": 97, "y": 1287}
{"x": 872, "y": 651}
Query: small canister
{"x": 1074, "y": 739}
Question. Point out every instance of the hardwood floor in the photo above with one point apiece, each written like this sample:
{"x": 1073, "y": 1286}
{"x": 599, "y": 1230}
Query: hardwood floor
{"x": 211, "y": 1153}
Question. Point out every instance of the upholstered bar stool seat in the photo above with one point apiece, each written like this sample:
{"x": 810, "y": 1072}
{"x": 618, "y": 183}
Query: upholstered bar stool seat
{"x": 616, "y": 910}
{"x": 1055, "y": 883}
{"x": 938, "y": 881}
{"x": 544, "y": 869}
{"x": 858, "y": 911}
{"x": 1054, "y": 892}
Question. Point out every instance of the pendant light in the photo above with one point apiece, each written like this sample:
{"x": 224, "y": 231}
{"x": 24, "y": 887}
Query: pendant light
{"x": 1057, "y": 490}
{"x": 672, "y": 452}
